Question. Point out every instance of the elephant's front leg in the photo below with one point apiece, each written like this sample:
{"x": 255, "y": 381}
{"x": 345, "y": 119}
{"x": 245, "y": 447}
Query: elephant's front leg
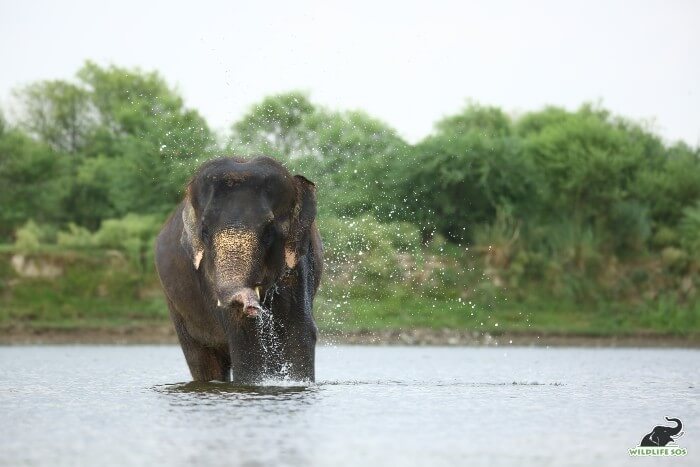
{"x": 299, "y": 347}
{"x": 205, "y": 363}
{"x": 247, "y": 353}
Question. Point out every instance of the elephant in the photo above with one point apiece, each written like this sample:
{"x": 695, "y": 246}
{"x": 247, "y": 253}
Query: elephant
{"x": 240, "y": 261}
{"x": 662, "y": 435}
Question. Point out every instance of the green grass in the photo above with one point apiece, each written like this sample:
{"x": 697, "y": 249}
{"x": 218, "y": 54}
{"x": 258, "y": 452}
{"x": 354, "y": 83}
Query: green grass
{"x": 537, "y": 315}
{"x": 103, "y": 290}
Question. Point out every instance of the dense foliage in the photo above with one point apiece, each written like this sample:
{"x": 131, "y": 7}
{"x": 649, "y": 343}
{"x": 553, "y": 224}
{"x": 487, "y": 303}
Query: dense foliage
{"x": 576, "y": 204}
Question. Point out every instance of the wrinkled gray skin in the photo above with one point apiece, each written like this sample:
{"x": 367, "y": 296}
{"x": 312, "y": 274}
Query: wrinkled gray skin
{"x": 245, "y": 226}
{"x": 662, "y": 435}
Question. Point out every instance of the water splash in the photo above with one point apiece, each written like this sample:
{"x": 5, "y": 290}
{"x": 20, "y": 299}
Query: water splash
{"x": 270, "y": 343}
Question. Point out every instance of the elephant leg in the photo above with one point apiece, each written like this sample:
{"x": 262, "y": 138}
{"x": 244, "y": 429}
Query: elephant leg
{"x": 299, "y": 349}
{"x": 205, "y": 363}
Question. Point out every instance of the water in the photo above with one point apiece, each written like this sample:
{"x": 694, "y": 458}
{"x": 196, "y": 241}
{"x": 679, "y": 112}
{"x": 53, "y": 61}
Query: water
{"x": 384, "y": 406}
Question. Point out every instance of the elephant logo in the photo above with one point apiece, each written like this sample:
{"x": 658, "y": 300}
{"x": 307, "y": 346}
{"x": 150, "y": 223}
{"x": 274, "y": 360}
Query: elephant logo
{"x": 662, "y": 435}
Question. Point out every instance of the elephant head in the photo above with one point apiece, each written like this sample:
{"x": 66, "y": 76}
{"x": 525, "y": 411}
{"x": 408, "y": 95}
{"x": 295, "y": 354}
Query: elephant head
{"x": 245, "y": 223}
{"x": 662, "y": 435}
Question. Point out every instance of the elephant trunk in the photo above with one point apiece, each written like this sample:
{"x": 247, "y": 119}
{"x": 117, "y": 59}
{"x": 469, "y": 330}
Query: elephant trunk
{"x": 234, "y": 260}
{"x": 247, "y": 299}
{"x": 677, "y": 429}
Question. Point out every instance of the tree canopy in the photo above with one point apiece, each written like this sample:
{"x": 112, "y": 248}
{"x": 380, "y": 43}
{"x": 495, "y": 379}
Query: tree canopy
{"x": 114, "y": 141}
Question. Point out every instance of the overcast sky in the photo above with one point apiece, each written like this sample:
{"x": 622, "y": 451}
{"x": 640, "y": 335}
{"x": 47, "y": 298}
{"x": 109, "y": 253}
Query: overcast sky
{"x": 407, "y": 63}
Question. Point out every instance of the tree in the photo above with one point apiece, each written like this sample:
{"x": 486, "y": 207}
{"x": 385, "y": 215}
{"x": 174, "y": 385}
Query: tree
{"x": 465, "y": 172}
{"x": 33, "y": 181}
{"x": 349, "y": 155}
{"x": 3, "y": 123}
{"x": 358, "y": 160}
{"x": 132, "y": 142}
{"x": 534, "y": 122}
{"x": 588, "y": 163}
{"x": 272, "y": 126}
{"x": 486, "y": 121}
{"x": 670, "y": 184}
{"x": 56, "y": 112}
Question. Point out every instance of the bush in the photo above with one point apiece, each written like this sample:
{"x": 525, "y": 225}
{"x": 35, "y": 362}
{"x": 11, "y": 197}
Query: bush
{"x": 630, "y": 227}
{"x": 498, "y": 241}
{"x": 360, "y": 244}
{"x": 690, "y": 230}
{"x": 116, "y": 233}
{"x": 674, "y": 259}
{"x": 133, "y": 234}
{"x": 31, "y": 237}
{"x": 27, "y": 237}
{"x": 405, "y": 237}
{"x": 665, "y": 236}
{"x": 76, "y": 238}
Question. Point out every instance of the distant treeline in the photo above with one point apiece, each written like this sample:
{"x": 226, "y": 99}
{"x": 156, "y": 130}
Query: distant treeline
{"x": 538, "y": 196}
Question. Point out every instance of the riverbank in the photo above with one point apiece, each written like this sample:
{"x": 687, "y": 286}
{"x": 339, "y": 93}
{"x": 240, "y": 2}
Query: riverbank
{"x": 164, "y": 334}
{"x": 78, "y": 297}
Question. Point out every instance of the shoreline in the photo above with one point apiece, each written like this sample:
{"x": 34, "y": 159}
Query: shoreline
{"x": 163, "y": 334}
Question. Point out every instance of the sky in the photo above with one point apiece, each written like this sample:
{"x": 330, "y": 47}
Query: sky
{"x": 407, "y": 63}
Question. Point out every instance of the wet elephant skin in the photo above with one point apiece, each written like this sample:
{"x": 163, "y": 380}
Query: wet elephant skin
{"x": 240, "y": 261}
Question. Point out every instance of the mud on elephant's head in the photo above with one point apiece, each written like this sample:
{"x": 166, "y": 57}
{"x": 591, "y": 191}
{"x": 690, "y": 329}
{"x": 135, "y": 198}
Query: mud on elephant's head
{"x": 245, "y": 222}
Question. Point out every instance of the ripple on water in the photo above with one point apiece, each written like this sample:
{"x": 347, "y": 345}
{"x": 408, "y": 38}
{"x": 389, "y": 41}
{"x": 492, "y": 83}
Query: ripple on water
{"x": 372, "y": 406}
{"x": 281, "y": 387}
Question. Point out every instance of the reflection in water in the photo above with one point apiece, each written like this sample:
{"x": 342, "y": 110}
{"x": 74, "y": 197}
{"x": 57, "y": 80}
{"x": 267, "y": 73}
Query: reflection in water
{"x": 249, "y": 422}
{"x": 215, "y": 387}
{"x": 289, "y": 391}
{"x": 279, "y": 397}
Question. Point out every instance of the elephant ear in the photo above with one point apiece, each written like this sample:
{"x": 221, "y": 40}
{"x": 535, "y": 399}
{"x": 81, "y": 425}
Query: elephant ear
{"x": 190, "y": 238}
{"x": 655, "y": 438}
{"x": 303, "y": 216}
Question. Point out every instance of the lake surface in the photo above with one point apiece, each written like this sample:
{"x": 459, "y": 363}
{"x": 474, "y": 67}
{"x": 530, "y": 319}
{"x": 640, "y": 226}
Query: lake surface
{"x": 383, "y": 406}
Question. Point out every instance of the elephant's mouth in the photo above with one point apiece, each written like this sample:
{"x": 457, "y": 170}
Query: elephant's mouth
{"x": 253, "y": 309}
{"x": 245, "y": 302}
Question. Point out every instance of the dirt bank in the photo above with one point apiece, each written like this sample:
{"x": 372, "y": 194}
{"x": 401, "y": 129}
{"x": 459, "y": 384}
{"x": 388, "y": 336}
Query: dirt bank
{"x": 164, "y": 334}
